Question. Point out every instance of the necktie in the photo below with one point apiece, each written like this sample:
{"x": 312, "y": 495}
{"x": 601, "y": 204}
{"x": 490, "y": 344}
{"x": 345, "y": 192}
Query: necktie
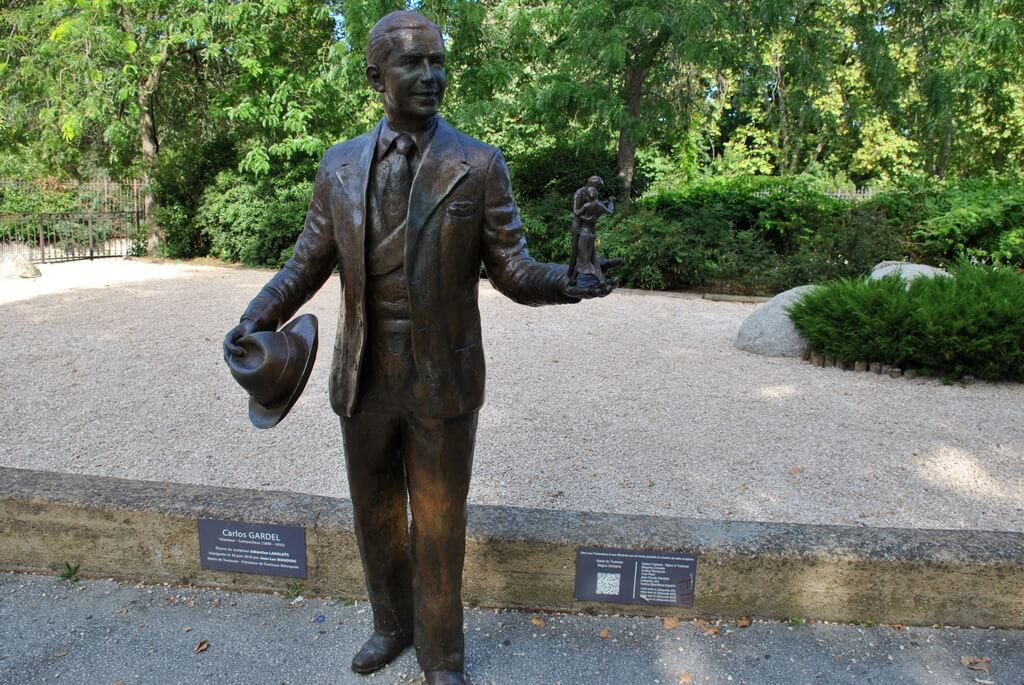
{"x": 399, "y": 183}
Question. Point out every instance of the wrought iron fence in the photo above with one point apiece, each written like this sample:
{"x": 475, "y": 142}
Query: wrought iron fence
{"x": 103, "y": 219}
{"x": 51, "y": 237}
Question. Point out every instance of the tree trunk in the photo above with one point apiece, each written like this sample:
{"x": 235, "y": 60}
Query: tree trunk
{"x": 150, "y": 152}
{"x": 150, "y": 148}
{"x": 626, "y": 158}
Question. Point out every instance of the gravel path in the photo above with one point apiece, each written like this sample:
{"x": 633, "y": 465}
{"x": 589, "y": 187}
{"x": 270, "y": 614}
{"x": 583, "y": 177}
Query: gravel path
{"x": 637, "y": 404}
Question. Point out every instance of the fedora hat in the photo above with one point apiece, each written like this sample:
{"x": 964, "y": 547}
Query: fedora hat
{"x": 275, "y": 367}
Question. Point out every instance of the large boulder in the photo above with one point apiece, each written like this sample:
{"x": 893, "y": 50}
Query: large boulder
{"x": 769, "y": 330}
{"x": 16, "y": 266}
{"x": 906, "y": 270}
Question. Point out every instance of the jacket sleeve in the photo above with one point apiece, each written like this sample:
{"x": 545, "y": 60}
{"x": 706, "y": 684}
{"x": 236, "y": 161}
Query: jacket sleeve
{"x": 509, "y": 266}
{"x": 311, "y": 263}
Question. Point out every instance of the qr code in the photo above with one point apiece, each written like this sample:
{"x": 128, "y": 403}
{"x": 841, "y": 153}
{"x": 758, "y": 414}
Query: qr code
{"x": 608, "y": 583}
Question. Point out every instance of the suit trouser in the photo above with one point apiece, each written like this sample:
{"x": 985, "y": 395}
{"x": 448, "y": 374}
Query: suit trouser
{"x": 413, "y": 573}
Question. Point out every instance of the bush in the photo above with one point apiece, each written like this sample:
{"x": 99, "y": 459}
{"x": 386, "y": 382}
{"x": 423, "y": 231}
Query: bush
{"x": 179, "y": 182}
{"x": 741, "y": 234}
{"x": 981, "y": 219}
{"x": 255, "y": 222}
{"x": 561, "y": 169}
{"x": 970, "y": 324}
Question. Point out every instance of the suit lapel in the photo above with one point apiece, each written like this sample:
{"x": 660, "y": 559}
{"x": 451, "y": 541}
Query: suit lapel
{"x": 355, "y": 184}
{"x": 442, "y": 166}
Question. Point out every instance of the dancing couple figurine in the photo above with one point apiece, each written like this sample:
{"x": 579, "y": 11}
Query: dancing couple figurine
{"x": 587, "y": 208}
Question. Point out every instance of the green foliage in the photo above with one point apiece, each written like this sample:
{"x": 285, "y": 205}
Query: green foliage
{"x": 69, "y": 572}
{"x": 560, "y": 169}
{"x": 970, "y": 324}
{"x": 179, "y": 180}
{"x": 736, "y": 234}
{"x": 255, "y": 222}
{"x": 979, "y": 219}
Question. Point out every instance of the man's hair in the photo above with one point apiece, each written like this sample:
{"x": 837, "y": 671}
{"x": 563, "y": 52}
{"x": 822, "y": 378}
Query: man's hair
{"x": 595, "y": 180}
{"x": 379, "y": 44}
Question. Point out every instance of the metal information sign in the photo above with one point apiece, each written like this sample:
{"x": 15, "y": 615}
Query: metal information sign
{"x": 252, "y": 548}
{"x": 623, "y": 576}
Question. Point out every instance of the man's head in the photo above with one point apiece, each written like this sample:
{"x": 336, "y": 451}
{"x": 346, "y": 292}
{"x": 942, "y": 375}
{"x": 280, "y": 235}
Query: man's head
{"x": 595, "y": 182}
{"x": 405, "y": 64}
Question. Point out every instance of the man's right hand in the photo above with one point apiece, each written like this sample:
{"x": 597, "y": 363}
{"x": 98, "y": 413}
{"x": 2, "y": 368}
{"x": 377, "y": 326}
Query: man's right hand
{"x": 244, "y": 328}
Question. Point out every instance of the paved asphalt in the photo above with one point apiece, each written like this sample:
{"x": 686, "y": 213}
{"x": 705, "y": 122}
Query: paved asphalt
{"x": 102, "y": 632}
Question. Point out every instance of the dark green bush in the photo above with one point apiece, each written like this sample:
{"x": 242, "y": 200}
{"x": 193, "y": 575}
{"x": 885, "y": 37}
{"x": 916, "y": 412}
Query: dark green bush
{"x": 562, "y": 169}
{"x": 255, "y": 222}
{"x": 970, "y": 324}
{"x": 743, "y": 234}
{"x": 179, "y": 182}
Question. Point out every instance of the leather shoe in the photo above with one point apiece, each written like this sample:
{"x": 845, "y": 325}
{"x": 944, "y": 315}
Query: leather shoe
{"x": 445, "y": 678}
{"x": 379, "y": 651}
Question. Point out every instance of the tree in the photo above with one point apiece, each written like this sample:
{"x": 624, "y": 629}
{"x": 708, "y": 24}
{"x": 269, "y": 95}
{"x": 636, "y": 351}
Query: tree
{"x": 88, "y": 78}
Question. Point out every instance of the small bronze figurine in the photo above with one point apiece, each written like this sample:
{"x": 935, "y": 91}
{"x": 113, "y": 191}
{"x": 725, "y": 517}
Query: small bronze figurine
{"x": 587, "y": 208}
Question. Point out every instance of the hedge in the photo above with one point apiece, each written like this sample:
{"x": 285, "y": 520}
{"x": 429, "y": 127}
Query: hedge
{"x": 969, "y": 324}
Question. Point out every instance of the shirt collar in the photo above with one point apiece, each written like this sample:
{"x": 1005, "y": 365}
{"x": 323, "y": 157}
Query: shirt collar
{"x": 422, "y": 137}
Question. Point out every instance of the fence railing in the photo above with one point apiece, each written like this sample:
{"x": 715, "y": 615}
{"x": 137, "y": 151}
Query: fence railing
{"x": 101, "y": 218}
{"x": 62, "y": 237}
{"x": 861, "y": 194}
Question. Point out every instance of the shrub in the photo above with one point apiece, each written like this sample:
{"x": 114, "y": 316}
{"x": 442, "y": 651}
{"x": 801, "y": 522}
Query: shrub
{"x": 563, "y": 168}
{"x": 970, "y": 324}
{"x": 255, "y": 222}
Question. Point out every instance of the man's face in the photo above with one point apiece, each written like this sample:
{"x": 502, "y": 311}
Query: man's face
{"x": 412, "y": 80}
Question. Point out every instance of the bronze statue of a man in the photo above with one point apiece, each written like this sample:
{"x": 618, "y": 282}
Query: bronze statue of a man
{"x": 407, "y": 213}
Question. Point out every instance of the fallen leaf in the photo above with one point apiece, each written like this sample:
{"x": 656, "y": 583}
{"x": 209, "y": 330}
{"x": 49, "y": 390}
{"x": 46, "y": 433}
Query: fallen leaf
{"x": 605, "y": 633}
{"x": 61, "y": 654}
{"x": 897, "y": 626}
{"x": 795, "y": 471}
{"x": 743, "y": 622}
{"x": 670, "y": 622}
{"x": 684, "y": 677}
{"x": 537, "y": 621}
{"x": 168, "y": 600}
{"x": 123, "y": 610}
{"x": 215, "y": 603}
{"x": 977, "y": 663}
{"x": 650, "y": 483}
{"x": 706, "y": 627}
{"x": 118, "y": 682}
{"x": 201, "y": 646}
{"x": 187, "y": 629}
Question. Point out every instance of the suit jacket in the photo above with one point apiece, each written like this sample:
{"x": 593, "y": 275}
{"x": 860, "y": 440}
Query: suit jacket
{"x": 461, "y": 213}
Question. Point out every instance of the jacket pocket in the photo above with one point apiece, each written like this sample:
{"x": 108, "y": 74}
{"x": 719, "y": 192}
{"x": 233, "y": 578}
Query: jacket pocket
{"x": 462, "y": 209}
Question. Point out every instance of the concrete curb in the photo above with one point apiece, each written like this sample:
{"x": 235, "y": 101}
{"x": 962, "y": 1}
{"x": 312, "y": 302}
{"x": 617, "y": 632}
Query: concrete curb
{"x": 525, "y": 558}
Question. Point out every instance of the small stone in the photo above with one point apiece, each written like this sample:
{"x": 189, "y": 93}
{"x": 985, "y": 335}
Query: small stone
{"x": 829, "y": 362}
{"x": 895, "y": 372}
{"x": 885, "y": 369}
{"x": 911, "y": 373}
{"x": 967, "y": 380}
{"x": 805, "y": 354}
{"x": 16, "y": 266}
{"x": 817, "y": 359}
{"x": 860, "y": 366}
{"x": 876, "y": 367}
